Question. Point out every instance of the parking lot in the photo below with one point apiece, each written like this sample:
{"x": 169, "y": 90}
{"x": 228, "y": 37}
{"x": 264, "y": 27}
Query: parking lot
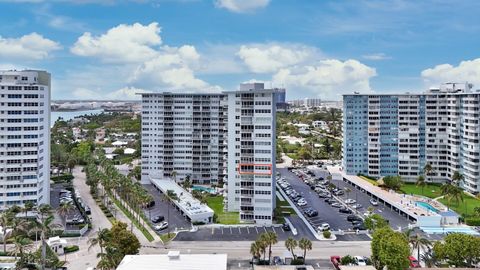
{"x": 162, "y": 208}
{"x": 55, "y": 194}
{"x": 232, "y": 233}
{"x": 330, "y": 214}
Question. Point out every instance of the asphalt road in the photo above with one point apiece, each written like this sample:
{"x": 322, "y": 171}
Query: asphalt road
{"x": 231, "y": 233}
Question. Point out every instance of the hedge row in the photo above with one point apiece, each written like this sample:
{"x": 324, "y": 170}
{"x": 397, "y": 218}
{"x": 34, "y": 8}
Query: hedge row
{"x": 70, "y": 249}
{"x": 473, "y": 221}
{"x": 62, "y": 178}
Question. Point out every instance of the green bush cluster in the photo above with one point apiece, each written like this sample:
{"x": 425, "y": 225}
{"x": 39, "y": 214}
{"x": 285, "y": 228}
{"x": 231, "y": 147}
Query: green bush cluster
{"x": 62, "y": 178}
{"x": 327, "y": 234}
{"x": 70, "y": 249}
{"x": 473, "y": 221}
{"x": 105, "y": 210}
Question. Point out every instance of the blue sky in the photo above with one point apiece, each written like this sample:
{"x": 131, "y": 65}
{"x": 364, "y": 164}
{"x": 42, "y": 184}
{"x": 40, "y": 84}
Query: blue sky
{"x": 111, "y": 49}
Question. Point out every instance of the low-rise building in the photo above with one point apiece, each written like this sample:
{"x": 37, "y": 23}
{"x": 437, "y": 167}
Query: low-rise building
{"x": 174, "y": 261}
{"x": 57, "y": 244}
{"x": 190, "y": 207}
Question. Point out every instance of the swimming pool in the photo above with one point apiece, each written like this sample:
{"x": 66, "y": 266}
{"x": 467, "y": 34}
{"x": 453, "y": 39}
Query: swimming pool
{"x": 427, "y": 206}
{"x": 200, "y": 188}
{"x": 442, "y": 230}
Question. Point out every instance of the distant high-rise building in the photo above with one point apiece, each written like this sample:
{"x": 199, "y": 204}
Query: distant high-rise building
{"x": 251, "y": 153}
{"x": 24, "y": 137}
{"x": 399, "y": 134}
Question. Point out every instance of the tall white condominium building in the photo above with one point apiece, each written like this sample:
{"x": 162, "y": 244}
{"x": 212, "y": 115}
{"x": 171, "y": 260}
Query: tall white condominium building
{"x": 400, "y": 134}
{"x": 182, "y": 134}
{"x": 24, "y": 137}
{"x": 251, "y": 153}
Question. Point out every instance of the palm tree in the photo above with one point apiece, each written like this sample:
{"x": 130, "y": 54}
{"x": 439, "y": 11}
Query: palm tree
{"x": 262, "y": 245}
{"x": 417, "y": 241}
{"x": 305, "y": 245}
{"x": 452, "y": 192}
{"x": 429, "y": 258}
{"x": 457, "y": 178}
{"x": 5, "y": 222}
{"x": 19, "y": 225}
{"x": 169, "y": 197}
{"x": 103, "y": 235}
{"x": 27, "y": 207}
{"x": 428, "y": 169}
{"x": 20, "y": 243}
{"x": 45, "y": 224}
{"x": 254, "y": 250}
{"x": 187, "y": 183}
{"x": 347, "y": 190}
{"x": 421, "y": 182}
{"x": 270, "y": 239}
{"x": 64, "y": 210}
{"x": 291, "y": 244}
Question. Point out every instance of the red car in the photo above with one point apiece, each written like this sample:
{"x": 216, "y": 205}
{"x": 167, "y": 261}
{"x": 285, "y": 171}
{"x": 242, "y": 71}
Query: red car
{"x": 335, "y": 261}
{"x": 413, "y": 262}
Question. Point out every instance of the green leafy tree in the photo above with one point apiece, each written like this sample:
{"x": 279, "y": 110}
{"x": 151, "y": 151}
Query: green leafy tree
{"x": 393, "y": 182}
{"x": 270, "y": 239}
{"x": 27, "y": 207}
{"x": 64, "y": 209}
{"x": 5, "y": 222}
{"x": 389, "y": 249}
{"x": 457, "y": 178}
{"x": 428, "y": 170}
{"x": 460, "y": 250}
{"x": 375, "y": 221}
{"x": 417, "y": 241}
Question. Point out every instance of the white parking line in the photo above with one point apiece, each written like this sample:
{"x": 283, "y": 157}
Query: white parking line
{"x": 256, "y": 229}
{"x": 239, "y": 231}
{"x": 265, "y": 228}
{"x": 231, "y": 230}
{"x": 273, "y": 228}
{"x": 222, "y": 230}
{"x": 248, "y": 230}
{"x": 213, "y": 230}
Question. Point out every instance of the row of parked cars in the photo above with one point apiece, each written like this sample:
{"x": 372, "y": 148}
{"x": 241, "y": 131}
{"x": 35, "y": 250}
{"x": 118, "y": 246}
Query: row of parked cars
{"x": 67, "y": 197}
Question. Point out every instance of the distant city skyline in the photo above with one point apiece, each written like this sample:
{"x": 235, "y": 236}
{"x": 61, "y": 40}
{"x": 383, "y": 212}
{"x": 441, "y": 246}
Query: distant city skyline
{"x": 95, "y": 49}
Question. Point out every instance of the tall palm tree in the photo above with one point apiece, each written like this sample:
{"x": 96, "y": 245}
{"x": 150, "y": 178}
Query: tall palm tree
{"x": 103, "y": 235}
{"x": 19, "y": 226}
{"x": 27, "y": 207}
{"x": 421, "y": 182}
{"x": 457, "y": 178}
{"x": 45, "y": 224}
{"x": 452, "y": 192}
{"x": 63, "y": 210}
{"x": 262, "y": 246}
{"x": 291, "y": 244}
{"x": 254, "y": 250}
{"x": 305, "y": 245}
{"x": 174, "y": 176}
{"x": 417, "y": 241}
{"x": 20, "y": 243}
{"x": 270, "y": 238}
{"x": 169, "y": 197}
{"x": 428, "y": 170}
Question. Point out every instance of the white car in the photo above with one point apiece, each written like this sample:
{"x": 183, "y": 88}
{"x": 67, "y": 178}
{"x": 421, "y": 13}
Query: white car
{"x": 323, "y": 227}
{"x": 360, "y": 261}
{"x": 350, "y": 201}
{"x": 161, "y": 226}
{"x": 373, "y": 202}
{"x": 357, "y": 206}
{"x": 301, "y": 203}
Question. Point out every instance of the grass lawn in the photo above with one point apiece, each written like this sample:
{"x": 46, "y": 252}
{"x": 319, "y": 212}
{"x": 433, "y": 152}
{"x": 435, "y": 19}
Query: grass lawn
{"x": 373, "y": 182}
{"x": 285, "y": 206}
{"x": 463, "y": 208}
{"x": 167, "y": 237}
{"x": 430, "y": 191}
{"x": 216, "y": 203}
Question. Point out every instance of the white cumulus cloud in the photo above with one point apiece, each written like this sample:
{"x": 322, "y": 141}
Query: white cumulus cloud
{"x": 241, "y": 6}
{"x": 267, "y": 58}
{"x": 328, "y": 78}
{"x": 121, "y": 44}
{"x": 468, "y": 70}
{"x": 32, "y": 46}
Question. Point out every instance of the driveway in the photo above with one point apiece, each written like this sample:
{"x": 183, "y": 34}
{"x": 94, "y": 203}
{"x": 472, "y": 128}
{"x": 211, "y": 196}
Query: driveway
{"x": 232, "y": 233}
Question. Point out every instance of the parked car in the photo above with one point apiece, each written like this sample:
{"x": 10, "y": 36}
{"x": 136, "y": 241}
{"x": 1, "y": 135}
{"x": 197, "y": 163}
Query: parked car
{"x": 373, "y": 202}
{"x": 87, "y": 210}
{"x": 336, "y": 205}
{"x": 323, "y": 195}
{"x": 311, "y": 212}
{"x": 345, "y": 210}
{"x": 360, "y": 227}
{"x": 413, "y": 262}
{"x": 161, "y": 226}
{"x": 339, "y": 193}
{"x": 357, "y": 222}
{"x": 277, "y": 260}
{"x": 330, "y": 201}
{"x": 357, "y": 206}
{"x": 157, "y": 219}
{"x": 286, "y": 227}
{"x": 323, "y": 227}
{"x": 360, "y": 260}
{"x": 335, "y": 261}
{"x": 301, "y": 203}
{"x": 350, "y": 201}
{"x": 353, "y": 217}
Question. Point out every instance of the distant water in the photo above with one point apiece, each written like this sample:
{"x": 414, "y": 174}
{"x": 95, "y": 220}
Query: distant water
{"x": 70, "y": 115}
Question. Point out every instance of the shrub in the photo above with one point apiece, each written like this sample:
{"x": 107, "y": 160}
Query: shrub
{"x": 327, "y": 234}
{"x": 473, "y": 221}
{"x": 70, "y": 249}
{"x": 198, "y": 223}
{"x": 62, "y": 178}
{"x": 346, "y": 260}
{"x": 297, "y": 262}
{"x": 70, "y": 235}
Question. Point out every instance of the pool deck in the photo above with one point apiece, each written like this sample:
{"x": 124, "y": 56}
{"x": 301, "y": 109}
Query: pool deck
{"x": 405, "y": 203}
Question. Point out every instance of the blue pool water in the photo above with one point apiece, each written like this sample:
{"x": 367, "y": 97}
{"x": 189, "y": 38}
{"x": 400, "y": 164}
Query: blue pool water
{"x": 441, "y": 230}
{"x": 200, "y": 188}
{"x": 427, "y": 206}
